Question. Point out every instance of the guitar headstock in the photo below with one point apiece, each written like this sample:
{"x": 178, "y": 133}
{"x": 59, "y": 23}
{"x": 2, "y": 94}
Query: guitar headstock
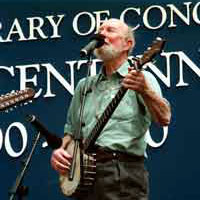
{"x": 151, "y": 52}
{"x": 16, "y": 97}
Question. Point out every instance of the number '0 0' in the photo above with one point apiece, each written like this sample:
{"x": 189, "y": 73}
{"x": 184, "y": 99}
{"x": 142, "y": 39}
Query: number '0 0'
{"x": 7, "y": 141}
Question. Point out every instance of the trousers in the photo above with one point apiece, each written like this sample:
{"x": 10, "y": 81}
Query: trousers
{"x": 120, "y": 180}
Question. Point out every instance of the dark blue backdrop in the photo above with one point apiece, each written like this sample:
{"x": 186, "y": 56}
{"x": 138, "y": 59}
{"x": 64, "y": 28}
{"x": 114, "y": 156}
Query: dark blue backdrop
{"x": 174, "y": 167}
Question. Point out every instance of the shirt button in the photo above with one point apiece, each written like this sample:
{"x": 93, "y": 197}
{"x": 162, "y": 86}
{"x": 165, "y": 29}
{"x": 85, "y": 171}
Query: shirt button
{"x": 112, "y": 96}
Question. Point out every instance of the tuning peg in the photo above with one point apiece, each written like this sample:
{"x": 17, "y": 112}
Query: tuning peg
{"x": 22, "y": 97}
{"x": 17, "y": 99}
{"x": 11, "y": 109}
{"x": 7, "y": 104}
{"x": 21, "y": 104}
{"x": 158, "y": 38}
{"x": 44, "y": 144}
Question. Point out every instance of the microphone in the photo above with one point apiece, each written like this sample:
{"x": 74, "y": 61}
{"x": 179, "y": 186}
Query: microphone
{"x": 96, "y": 42}
{"x": 53, "y": 141}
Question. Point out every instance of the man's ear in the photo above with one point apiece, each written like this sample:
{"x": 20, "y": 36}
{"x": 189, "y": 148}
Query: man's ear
{"x": 129, "y": 44}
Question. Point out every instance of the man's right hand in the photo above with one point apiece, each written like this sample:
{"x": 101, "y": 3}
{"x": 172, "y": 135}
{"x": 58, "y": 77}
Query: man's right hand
{"x": 61, "y": 161}
{"x": 60, "y": 158}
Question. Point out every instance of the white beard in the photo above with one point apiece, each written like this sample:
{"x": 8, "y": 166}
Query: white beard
{"x": 107, "y": 52}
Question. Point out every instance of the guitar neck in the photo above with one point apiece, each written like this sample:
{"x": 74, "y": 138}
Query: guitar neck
{"x": 89, "y": 143}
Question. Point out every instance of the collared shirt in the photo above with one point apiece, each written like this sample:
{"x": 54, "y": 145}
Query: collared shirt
{"x": 127, "y": 126}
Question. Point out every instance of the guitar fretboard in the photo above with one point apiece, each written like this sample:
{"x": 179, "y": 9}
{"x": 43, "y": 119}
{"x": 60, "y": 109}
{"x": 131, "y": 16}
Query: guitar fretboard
{"x": 89, "y": 143}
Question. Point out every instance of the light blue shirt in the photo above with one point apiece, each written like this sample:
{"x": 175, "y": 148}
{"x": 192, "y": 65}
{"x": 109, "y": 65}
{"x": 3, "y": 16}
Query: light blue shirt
{"x": 128, "y": 124}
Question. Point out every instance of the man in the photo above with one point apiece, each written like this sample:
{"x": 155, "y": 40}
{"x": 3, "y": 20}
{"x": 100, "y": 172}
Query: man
{"x": 120, "y": 147}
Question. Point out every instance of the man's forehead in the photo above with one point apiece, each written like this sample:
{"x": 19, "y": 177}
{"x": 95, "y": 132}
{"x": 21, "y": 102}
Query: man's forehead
{"x": 114, "y": 23}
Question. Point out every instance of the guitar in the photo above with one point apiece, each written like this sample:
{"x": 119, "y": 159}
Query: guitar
{"x": 15, "y": 98}
{"x": 84, "y": 176}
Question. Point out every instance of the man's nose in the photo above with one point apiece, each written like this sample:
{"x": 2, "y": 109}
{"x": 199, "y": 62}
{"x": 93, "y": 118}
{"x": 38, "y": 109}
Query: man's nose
{"x": 102, "y": 32}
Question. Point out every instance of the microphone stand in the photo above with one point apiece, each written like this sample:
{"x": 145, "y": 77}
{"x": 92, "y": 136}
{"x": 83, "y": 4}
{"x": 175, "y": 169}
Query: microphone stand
{"x": 18, "y": 189}
{"x": 78, "y": 135}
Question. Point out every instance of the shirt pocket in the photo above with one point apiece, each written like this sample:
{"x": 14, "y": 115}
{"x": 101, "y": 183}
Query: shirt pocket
{"x": 127, "y": 108}
{"x": 89, "y": 111}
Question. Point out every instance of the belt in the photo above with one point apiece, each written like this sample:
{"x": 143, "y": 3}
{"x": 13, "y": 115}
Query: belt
{"x": 104, "y": 155}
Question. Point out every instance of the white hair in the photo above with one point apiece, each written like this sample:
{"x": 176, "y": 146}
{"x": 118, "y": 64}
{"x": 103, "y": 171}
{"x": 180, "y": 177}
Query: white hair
{"x": 130, "y": 36}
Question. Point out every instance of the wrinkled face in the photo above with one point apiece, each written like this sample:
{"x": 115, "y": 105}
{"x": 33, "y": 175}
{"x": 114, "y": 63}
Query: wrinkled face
{"x": 115, "y": 32}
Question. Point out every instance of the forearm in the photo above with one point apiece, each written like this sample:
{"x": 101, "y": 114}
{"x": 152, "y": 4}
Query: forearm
{"x": 158, "y": 107}
{"x": 66, "y": 140}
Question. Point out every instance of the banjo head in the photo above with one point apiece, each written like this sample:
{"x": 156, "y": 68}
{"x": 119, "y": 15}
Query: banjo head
{"x": 68, "y": 187}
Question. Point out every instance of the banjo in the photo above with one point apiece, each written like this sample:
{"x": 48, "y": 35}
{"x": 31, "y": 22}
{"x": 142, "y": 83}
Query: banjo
{"x": 84, "y": 174}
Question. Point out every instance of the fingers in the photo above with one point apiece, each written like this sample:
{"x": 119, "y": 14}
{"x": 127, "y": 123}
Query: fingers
{"x": 134, "y": 77}
{"x": 60, "y": 168}
{"x": 133, "y": 85}
{"x": 60, "y": 161}
{"x": 62, "y": 157}
{"x": 134, "y": 80}
{"x": 133, "y": 71}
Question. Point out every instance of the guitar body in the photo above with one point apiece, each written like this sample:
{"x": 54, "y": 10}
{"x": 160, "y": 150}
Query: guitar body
{"x": 84, "y": 174}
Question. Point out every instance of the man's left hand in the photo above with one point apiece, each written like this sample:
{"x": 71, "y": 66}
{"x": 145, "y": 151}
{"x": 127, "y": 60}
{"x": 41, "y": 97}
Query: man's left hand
{"x": 136, "y": 81}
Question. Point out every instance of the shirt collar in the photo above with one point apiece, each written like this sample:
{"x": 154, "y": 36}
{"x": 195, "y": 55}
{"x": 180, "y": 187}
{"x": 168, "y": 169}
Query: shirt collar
{"x": 122, "y": 71}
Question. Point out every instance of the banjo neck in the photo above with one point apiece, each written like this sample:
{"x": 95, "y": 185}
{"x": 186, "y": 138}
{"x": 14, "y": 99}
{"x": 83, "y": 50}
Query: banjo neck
{"x": 89, "y": 143}
{"x": 147, "y": 56}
